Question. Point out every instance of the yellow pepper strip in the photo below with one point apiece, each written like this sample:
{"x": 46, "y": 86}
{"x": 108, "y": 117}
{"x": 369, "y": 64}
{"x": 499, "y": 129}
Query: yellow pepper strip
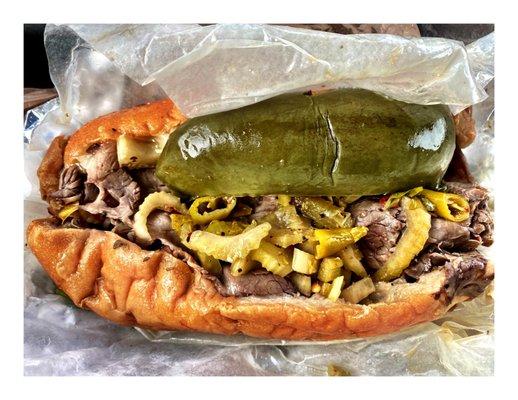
{"x": 351, "y": 257}
{"x": 358, "y": 290}
{"x": 285, "y": 237}
{"x": 209, "y": 263}
{"x": 336, "y": 288}
{"x": 331, "y": 241}
{"x": 206, "y": 209}
{"x": 427, "y": 204}
{"x": 394, "y": 198}
{"x": 284, "y": 200}
{"x": 452, "y": 207}
{"x": 242, "y": 266}
{"x": 287, "y": 215}
{"x": 413, "y": 240}
{"x": 158, "y": 200}
{"x": 302, "y": 283}
{"x": 303, "y": 262}
{"x": 225, "y": 228}
{"x": 183, "y": 225}
{"x": 324, "y": 213}
{"x": 68, "y": 210}
{"x": 272, "y": 258}
{"x": 228, "y": 248}
{"x": 330, "y": 268}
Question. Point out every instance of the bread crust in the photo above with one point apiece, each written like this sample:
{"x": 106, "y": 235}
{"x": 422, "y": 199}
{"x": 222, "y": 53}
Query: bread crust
{"x": 51, "y": 166}
{"x": 126, "y": 284}
{"x": 465, "y": 127}
{"x": 152, "y": 119}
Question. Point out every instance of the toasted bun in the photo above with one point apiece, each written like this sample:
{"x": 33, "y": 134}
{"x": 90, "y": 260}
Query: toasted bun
{"x": 120, "y": 281}
{"x": 465, "y": 127}
{"x": 151, "y": 119}
{"x": 51, "y": 166}
{"x": 124, "y": 283}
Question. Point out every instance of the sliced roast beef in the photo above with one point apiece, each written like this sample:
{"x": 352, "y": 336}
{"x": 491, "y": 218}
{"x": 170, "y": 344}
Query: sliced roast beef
{"x": 91, "y": 191}
{"x": 117, "y": 198}
{"x": 255, "y": 283}
{"x": 100, "y": 160}
{"x": 480, "y": 223}
{"x": 384, "y": 226}
{"x": 472, "y": 192}
{"x": 467, "y": 273}
{"x": 181, "y": 254}
{"x": 124, "y": 230}
{"x": 71, "y": 184}
{"x": 147, "y": 180}
{"x": 159, "y": 227}
{"x": 263, "y": 206}
{"x": 451, "y": 235}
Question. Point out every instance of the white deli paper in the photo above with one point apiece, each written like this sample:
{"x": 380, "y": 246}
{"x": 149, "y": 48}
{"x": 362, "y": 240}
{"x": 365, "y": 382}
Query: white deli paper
{"x": 100, "y": 68}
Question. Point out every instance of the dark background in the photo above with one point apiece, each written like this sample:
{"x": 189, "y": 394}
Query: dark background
{"x": 36, "y": 74}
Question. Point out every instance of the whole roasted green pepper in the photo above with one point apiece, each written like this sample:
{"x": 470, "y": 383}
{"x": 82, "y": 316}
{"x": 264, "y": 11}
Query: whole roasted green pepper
{"x": 336, "y": 143}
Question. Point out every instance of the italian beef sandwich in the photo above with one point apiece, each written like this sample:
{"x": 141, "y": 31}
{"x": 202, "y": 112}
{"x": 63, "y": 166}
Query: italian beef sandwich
{"x": 307, "y": 216}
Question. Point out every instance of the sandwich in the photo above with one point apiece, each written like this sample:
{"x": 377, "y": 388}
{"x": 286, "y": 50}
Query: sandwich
{"x": 307, "y": 216}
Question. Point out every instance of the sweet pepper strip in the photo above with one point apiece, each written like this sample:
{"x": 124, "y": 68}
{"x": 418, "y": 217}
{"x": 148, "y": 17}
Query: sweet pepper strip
{"x": 413, "y": 240}
{"x": 206, "y": 209}
{"x": 68, "y": 210}
{"x": 228, "y": 248}
{"x": 450, "y": 206}
{"x": 331, "y": 241}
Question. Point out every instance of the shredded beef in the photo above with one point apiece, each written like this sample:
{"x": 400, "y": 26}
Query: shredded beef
{"x": 469, "y": 234}
{"x": 449, "y": 235}
{"x": 384, "y": 226}
{"x": 124, "y": 230}
{"x": 117, "y": 198}
{"x": 159, "y": 227}
{"x": 178, "y": 252}
{"x": 147, "y": 180}
{"x": 264, "y": 205}
{"x": 255, "y": 283}
{"x": 472, "y": 192}
{"x": 466, "y": 273}
{"x": 91, "y": 191}
{"x": 71, "y": 183}
{"x": 101, "y": 160}
{"x": 480, "y": 223}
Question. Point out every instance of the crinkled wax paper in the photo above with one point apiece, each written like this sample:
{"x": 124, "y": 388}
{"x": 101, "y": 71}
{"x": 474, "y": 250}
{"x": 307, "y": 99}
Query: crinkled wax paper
{"x": 102, "y": 68}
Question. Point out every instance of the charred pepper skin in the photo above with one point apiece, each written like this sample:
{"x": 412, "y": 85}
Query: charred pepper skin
{"x": 340, "y": 142}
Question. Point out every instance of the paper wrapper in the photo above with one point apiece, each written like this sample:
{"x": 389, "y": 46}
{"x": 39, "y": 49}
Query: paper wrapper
{"x": 102, "y": 68}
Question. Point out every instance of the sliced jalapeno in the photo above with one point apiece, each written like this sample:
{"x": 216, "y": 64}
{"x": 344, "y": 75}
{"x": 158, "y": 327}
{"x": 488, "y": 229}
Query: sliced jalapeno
{"x": 452, "y": 207}
{"x": 206, "y": 209}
